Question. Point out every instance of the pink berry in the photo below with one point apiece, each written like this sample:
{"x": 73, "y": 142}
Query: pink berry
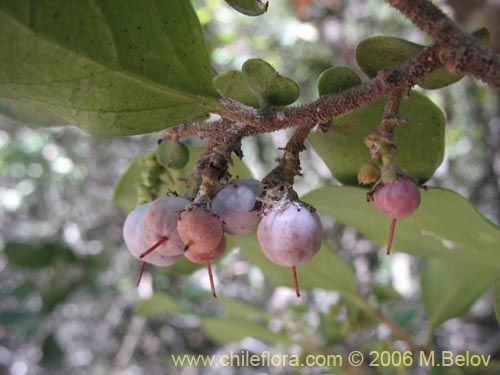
{"x": 199, "y": 229}
{"x": 397, "y": 200}
{"x": 133, "y": 234}
{"x": 234, "y": 204}
{"x": 207, "y": 257}
{"x": 197, "y": 257}
{"x": 160, "y": 222}
{"x": 290, "y": 236}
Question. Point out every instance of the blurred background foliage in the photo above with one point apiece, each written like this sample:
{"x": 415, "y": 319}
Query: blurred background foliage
{"x": 68, "y": 300}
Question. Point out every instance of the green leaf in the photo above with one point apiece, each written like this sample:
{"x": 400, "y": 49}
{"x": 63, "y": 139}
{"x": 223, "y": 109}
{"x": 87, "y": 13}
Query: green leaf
{"x": 420, "y": 142}
{"x": 249, "y": 7}
{"x": 234, "y": 85}
{"x": 449, "y": 288}
{"x": 159, "y": 303}
{"x": 52, "y": 353}
{"x": 29, "y": 113}
{"x": 446, "y": 225}
{"x": 386, "y": 52}
{"x": 272, "y": 88}
{"x": 325, "y": 271}
{"x": 57, "y": 294}
{"x": 36, "y": 256}
{"x": 337, "y": 79}
{"x": 112, "y": 68}
{"x": 496, "y": 295}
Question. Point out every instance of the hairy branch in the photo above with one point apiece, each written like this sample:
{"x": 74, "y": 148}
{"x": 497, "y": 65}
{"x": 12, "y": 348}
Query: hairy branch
{"x": 464, "y": 51}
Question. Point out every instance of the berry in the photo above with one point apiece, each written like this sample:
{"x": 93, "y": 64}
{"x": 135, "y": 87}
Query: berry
{"x": 196, "y": 257}
{"x": 199, "y": 229}
{"x": 172, "y": 154}
{"x": 234, "y": 204}
{"x": 133, "y": 234}
{"x": 397, "y": 200}
{"x": 160, "y": 221}
{"x": 290, "y": 235}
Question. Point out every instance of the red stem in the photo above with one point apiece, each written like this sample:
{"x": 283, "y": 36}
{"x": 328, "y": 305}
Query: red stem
{"x": 211, "y": 277}
{"x": 141, "y": 272}
{"x": 391, "y": 235}
{"x": 295, "y": 281}
{"x": 153, "y": 248}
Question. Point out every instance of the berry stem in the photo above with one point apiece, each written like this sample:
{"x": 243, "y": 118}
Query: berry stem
{"x": 391, "y": 235}
{"x": 153, "y": 248}
{"x": 141, "y": 272}
{"x": 211, "y": 277}
{"x": 295, "y": 281}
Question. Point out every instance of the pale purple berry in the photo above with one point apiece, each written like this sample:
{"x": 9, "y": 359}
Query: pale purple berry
{"x": 234, "y": 204}
{"x": 200, "y": 229}
{"x": 290, "y": 235}
{"x": 160, "y": 221}
{"x": 397, "y": 200}
{"x": 133, "y": 234}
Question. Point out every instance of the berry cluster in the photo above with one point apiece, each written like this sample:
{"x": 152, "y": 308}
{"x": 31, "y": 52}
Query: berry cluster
{"x": 162, "y": 231}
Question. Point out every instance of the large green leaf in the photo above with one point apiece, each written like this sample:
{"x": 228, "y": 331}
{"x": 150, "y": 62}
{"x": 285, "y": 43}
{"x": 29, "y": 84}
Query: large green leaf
{"x": 113, "y": 67}
{"x": 29, "y": 113}
{"x": 159, "y": 303}
{"x": 496, "y": 295}
{"x": 386, "y": 52}
{"x": 38, "y": 255}
{"x": 449, "y": 288}
{"x": 420, "y": 142}
{"x": 325, "y": 271}
{"x": 445, "y": 225}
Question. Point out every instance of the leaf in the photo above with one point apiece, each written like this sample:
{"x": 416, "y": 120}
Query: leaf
{"x": 36, "y": 256}
{"x": 386, "y": 52}
{"x": 337, "y": 79}
{"x": 325, "y": 271}
{"x": 496, "y": 295}
{"x": 268, "y": 85}
{"x": 420, "y": 142}
{"x": 159, "y": 303}
{"x": 233, "y": 85}
{"x": 249, "y": 7}
{"x": 112, "y": 67}
{"x": 26, "y": 322}
{"x": 28, "y": 113}
{"x": 52, "y": 353}
{"x": 57, "y": 294}
{"x": 446, "y": 225}
{"x": 449, "y": 288}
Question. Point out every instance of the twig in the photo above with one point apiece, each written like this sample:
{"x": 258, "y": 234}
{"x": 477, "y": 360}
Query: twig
{"x": 466, "y": 53}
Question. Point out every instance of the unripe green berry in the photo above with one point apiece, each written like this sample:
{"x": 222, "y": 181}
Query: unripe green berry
{"x": 172, "y": 154}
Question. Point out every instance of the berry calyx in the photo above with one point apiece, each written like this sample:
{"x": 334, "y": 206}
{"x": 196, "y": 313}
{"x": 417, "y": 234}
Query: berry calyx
{"x": 290, "y": 235}
{"x": 206, "y": 258}
{"x": 234, "y": 204}
{"x": 160, "y": 222}
{"x": 397, "y": 200}
{"x": 199, "y": 229}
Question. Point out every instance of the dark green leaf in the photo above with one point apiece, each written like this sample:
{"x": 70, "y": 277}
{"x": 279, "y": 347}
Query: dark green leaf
{"x": 57, "y": 294}
{"x": 445, "y": 225}
{"x": 112, "y": 68}
{"x": 496, "y": 295}
{"x": 268, "y": 85}
{"x": 337, "y": 79}
{"x": 249, "y": 7}
{"x": 234, "y": 85}
{"x": 38, "y": 255}
{"x": 159, "y": 303}
{"x": 449, "y": 288}
{"x": 325, "y": 271}
{"x": 23, "y": 321}
{"x": 29, "y": 113}
{"x": 52, "y": 353}
{"x": 385, "y": 52}
{"x": 420, "y": 142}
